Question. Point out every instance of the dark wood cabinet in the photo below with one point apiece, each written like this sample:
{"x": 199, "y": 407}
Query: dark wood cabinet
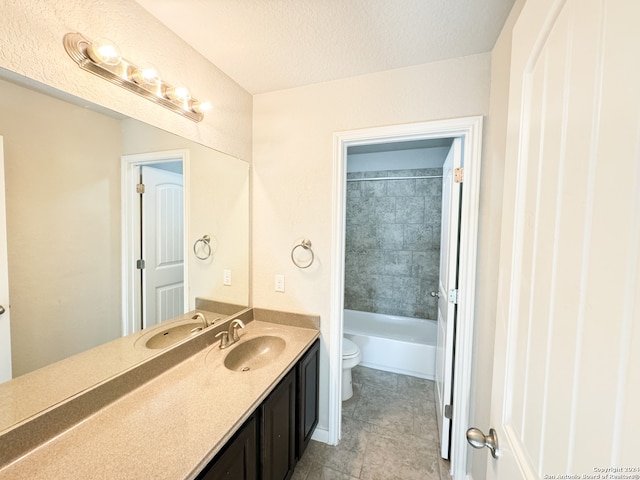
{"x": 269, "y": 444}
{"x": 239, "y": 458}
{"x": 277, "y": 433}
{"x": 308, "y": 382}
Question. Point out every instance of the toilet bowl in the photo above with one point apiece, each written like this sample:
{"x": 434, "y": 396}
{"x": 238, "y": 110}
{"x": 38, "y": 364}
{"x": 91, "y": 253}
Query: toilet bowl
{"x": 351, "y": 357}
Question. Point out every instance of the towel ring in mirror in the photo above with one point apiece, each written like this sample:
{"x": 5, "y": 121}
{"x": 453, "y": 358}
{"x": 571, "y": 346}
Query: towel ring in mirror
{"x": 202, "y": 247}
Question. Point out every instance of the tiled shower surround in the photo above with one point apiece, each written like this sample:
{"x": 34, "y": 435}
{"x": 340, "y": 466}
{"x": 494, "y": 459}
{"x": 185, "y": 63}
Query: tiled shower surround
{"x": 393, "y": 243}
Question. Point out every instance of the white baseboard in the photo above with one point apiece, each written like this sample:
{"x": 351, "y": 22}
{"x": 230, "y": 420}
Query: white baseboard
{"x": 320, "y": 435}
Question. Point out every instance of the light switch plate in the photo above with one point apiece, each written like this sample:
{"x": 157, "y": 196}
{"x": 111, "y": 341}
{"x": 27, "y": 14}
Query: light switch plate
{"x": 279, "y": 283}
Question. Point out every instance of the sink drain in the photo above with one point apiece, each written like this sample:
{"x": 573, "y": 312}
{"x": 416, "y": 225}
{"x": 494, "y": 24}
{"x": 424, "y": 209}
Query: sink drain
{"x": 245, "y": 369}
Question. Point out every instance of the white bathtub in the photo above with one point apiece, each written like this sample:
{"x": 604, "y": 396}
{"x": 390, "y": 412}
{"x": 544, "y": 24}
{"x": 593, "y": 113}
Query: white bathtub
{"x": 393, "y": 343}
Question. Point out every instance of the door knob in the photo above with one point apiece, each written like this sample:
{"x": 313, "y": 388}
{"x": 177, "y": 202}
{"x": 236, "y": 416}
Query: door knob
{"x": 435, "y": 294}
{"x": 477, "y": 439}
{"x": 1, "y": 309}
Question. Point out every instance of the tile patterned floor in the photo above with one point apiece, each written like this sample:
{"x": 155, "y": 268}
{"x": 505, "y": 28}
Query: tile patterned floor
{"x": 389, "y": 432}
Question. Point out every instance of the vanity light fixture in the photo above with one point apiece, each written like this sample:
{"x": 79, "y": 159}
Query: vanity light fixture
{"x": 102, "y": 57}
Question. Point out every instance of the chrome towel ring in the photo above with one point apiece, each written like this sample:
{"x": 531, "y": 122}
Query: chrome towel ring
{"x": 306, "y": 245}
{"x": 202, "y": 247}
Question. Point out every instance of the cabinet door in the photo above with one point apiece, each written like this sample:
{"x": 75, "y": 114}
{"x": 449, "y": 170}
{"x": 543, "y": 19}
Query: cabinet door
{"x": 238, "y": 460}
{"x": 308, "y": 398}
{"x": 278, "y": 431}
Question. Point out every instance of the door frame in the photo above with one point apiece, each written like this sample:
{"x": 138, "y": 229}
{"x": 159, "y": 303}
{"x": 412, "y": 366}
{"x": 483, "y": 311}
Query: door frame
{"x": 469, "y": 129}
{"x": 131, "y": 229}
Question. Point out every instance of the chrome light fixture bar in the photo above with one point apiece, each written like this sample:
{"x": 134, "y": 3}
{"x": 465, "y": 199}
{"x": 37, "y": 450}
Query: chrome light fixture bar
{"x": 102, "y": 57}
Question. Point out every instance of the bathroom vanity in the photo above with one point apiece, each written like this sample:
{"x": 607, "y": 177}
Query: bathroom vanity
{"x": 275, "y": 436}
{"x": 198, "y": 412}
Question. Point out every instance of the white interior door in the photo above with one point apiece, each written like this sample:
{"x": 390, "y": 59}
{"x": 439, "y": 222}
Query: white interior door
{"x": 447, "y": 309}
{"x": 162, "y": 245}
{"x": 566, "y": 383}
{"x": 5, "y": 332}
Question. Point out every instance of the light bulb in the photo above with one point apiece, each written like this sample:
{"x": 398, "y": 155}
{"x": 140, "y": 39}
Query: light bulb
{"x": 200, "y": 107}
{"x": 147, "y": 75}
{"x": 177, "y": 93}
{"x": 104, "y": 52}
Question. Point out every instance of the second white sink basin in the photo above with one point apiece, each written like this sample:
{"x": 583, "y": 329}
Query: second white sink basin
{"x": 168, "y": 336}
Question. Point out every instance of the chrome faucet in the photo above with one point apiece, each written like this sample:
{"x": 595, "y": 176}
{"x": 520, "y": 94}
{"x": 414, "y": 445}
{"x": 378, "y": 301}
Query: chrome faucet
{"x": 230, "y": 337}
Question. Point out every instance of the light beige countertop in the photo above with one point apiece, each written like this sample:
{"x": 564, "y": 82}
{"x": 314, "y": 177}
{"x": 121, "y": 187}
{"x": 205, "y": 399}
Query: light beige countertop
{"x": 29, "y": 394}
{"x": 173, "y": 425}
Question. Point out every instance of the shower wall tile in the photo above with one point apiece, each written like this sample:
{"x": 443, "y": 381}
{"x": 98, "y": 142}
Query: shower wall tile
{"x": 393, "y": 243}
{"x": 361, "y": 238}
{"x": 420, "y": 237}
{"x": 401, "y": 188}
{"x": 377, "y": 188}
{"x": 384, "y": 209}
{"x": 426, "y": 264}
{"x": 353, "y": 190}
{"x": 410, "y": 209}
{"x": 357, "y": 210}
{"x": 370, "y": 262}
{"x": 398, "y": 262}
{"x": 390, "y": 236}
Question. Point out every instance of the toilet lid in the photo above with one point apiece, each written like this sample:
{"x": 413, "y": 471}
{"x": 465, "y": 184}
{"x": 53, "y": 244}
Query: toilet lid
{"x": 349, "y": 349}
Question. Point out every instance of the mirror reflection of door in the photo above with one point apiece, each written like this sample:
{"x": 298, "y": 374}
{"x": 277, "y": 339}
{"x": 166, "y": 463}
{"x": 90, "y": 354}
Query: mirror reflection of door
{"x": 5, "y": 335}
{"x": 161, "y": 243}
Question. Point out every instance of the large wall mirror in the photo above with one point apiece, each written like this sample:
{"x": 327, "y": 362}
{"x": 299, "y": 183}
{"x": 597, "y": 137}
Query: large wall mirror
{"x": 63, "y": 165}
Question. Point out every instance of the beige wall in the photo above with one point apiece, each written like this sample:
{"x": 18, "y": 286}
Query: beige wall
{"x": 62, "y": 171}
{"x": 218, "y": 206}
{"x": 292, "y": 176}
{"x": 31, "y": 39}
{"x": 489, "y": 227}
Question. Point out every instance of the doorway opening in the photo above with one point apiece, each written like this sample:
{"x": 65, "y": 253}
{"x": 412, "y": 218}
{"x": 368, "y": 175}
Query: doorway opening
{"x": 467, "y": 133}
{"x": 154, "y": 191}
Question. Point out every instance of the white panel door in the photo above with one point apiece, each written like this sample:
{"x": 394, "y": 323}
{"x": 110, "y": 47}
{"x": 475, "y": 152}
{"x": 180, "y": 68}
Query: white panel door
{"x": 5, "y": 332}
{"x": 448, "y": 281}
{"x": 163, "y": 245}
{"x": 566, "y": 383}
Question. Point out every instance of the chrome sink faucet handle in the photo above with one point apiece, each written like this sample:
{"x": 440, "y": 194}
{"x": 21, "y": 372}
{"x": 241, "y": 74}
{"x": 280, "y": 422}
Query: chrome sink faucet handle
{"x": 233, "y": 329}
{"x": 224, "y": 339}
{"x": 205, "y": 324}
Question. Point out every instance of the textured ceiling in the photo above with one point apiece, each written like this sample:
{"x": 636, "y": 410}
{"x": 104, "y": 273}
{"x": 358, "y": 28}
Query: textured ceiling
{"x": 267, "y": 45}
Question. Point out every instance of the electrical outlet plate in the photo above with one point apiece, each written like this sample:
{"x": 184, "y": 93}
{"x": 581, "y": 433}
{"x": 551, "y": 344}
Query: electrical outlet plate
{"x": 226, "y": 277}
{"x": 279, "y": 283}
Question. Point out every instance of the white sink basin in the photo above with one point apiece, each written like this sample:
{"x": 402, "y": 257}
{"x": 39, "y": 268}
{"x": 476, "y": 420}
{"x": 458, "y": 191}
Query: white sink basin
{"x": 254, "y": 353}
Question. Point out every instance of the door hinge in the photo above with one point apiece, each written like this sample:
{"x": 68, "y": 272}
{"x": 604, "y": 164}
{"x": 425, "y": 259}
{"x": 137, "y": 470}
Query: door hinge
{"x": 458, "y": 175}
{"x": 454, "y": 296}
{"x": 448, "y": 411}
{"x": 140, "y": 264}
{"x": 140, "y": 188}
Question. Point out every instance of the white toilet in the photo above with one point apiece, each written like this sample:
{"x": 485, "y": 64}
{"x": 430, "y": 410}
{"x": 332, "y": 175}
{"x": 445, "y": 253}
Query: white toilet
{"x": 351, "y": 357}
